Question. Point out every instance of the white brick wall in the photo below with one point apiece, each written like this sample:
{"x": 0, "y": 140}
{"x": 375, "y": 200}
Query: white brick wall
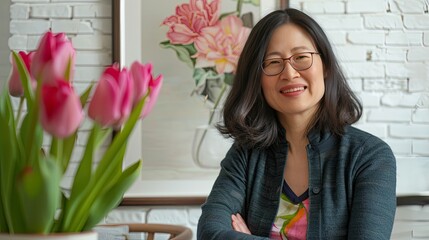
{"x": 4, "y": 50}
{"x": 384, "y": 43}
{"x": 383, "y": 46}
{"x": 86, "y": 23}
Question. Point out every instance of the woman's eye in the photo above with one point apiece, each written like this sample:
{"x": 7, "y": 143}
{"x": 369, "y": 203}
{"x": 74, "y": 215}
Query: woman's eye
{"x": 300, "y": 57}
{"x": 273, "y": 62}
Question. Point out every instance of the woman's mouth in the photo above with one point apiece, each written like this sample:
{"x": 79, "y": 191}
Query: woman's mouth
{"x": 292, "y": 90}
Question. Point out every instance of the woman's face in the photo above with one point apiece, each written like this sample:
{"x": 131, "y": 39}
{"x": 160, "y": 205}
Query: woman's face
{"x": 293, "y": 93}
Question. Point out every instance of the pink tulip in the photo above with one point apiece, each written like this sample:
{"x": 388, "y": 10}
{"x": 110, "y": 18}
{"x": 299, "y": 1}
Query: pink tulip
{"x": 15, "y": 82}
{"x": 221, "y": 45}
{"x": 144, "y": 81}
{"x": 190, "y": 18}
{"x": 52, "y": 57}
{"x": 61, "y": 110}
{"x": 112, "y": 100}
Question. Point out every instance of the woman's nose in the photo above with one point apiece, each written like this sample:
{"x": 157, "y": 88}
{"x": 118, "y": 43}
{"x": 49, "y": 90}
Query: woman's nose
{"x": 289, "y": 72}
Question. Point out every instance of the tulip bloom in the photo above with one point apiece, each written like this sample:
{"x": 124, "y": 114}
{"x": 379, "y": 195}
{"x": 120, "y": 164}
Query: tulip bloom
{"x": 15, "y": 82}
{"x": 221, "y": 45}
{"x": 190, "y": 18}
{"x": 112, "y": 100}
{"x": 54, "y": 54}
{"x": 144, "y": 81}
{"x": 61, "y": 110}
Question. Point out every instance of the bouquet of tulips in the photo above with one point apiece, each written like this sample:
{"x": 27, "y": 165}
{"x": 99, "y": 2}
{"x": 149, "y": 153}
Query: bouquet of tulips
{"x": 31, "y": 198}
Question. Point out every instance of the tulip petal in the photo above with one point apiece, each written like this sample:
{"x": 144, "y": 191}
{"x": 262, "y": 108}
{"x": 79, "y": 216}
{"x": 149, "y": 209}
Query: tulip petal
{"x": 112, "y": 100}
{"x": 61, "y": 111}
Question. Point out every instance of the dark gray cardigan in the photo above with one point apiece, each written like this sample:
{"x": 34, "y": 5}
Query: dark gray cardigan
{"x": 352, "y": 183}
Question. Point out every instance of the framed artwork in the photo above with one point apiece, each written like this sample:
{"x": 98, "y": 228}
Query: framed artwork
{"x": 180, "y": 149}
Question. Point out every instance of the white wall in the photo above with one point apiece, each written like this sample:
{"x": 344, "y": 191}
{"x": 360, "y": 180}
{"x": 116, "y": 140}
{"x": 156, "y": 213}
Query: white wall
{"x": 87, "y": 23}
{"x": 4, "y": 49}
{"x": 383, "y": 46}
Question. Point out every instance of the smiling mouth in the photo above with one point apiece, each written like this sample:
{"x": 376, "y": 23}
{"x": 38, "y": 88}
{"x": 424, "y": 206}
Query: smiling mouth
{"x": 291, "y": 90}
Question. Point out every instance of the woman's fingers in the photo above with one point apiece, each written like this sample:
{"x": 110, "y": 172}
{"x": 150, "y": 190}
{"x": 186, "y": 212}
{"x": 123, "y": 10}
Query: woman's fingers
{"x": 238, "y": 224}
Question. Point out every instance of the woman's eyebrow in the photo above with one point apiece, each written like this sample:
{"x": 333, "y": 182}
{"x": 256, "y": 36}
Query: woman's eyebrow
{"x": 293, "y": 50}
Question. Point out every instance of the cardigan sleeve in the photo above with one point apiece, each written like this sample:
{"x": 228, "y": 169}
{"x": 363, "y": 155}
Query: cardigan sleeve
{"x": 374, "y": 196}
{"x": 227, "y": 197}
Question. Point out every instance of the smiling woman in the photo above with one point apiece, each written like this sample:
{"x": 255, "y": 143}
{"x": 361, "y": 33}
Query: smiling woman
{"x": 169, "y": 175}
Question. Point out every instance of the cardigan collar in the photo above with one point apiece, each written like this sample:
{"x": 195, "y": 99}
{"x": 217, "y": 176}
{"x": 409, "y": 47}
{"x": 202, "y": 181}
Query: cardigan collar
{"x": 315, "y": 137}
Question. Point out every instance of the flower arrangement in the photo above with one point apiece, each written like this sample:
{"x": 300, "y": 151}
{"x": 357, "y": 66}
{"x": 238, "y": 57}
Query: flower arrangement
{"x": 209, "y": 42}
{"x": 31, "y": 198}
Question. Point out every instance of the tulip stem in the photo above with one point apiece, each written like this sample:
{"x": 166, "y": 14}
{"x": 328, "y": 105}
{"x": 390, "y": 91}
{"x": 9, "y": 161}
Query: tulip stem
{"x": 20, "y": 106}
{"x": 211, "y": 118}
{"x": 239, "y": 6}
{"x": 216, "y": 104}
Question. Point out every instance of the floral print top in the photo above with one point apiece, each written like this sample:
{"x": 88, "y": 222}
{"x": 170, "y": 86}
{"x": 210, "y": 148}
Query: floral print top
{"x": 291, "y": 219}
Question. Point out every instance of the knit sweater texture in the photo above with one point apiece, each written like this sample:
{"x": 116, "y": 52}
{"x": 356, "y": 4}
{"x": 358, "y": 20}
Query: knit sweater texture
{"x": 352, "y": 188}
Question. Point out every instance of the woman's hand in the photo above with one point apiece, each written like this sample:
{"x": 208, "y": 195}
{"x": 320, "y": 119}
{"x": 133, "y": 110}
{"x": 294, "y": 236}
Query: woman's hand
{"x": 238, "y": 224}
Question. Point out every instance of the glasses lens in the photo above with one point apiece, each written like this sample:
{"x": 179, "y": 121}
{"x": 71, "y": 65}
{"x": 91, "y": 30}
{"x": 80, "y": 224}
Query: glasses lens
{"x": 301, "y": 61}
{"x": 273, "y": 66}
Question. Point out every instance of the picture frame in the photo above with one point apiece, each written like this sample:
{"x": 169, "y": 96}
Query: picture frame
{"x": 164, "y": 139}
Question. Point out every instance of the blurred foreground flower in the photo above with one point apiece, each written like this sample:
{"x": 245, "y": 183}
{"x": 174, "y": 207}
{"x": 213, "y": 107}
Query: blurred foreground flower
{"x": 31, "y": 199}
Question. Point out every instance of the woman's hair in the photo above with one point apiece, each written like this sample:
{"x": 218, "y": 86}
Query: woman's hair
{"x": 247, "y": 116}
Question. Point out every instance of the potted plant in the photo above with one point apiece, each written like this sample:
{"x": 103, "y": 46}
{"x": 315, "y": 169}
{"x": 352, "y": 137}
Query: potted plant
{"x": 31, "y": 198}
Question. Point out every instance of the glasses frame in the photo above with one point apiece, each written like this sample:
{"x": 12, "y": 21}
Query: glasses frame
{"x": 288, "y": 60}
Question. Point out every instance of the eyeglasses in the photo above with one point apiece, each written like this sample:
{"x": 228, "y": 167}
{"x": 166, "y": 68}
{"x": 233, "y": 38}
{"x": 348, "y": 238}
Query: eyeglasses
{"x": 300, "y": 61}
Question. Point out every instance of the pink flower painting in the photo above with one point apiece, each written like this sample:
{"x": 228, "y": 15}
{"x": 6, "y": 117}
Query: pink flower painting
{"x": 208, "y": 41}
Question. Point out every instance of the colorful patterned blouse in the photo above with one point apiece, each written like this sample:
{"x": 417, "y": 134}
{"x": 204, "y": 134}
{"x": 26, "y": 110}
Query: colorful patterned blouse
{"x": 291, "y": 219}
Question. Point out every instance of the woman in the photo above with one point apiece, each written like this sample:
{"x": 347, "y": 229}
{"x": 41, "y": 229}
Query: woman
{"x": 297, "y": 169}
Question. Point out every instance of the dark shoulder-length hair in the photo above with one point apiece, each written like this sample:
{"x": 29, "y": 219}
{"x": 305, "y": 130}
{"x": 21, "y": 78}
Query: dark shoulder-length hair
{"x": 248, "y": 118}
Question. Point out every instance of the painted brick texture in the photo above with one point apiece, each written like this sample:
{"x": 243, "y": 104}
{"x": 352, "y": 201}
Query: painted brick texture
{"x": 385, "y": 44}
{"x": 86, "y": 23}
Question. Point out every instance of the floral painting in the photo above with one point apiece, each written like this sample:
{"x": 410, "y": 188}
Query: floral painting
{"x": 195, "y": 44}
{"x": 208, "y": 41}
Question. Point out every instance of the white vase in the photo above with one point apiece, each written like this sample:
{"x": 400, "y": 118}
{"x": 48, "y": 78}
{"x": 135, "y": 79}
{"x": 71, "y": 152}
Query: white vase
{"x": 53, "y": 236}
{"x": 209, "y": 146}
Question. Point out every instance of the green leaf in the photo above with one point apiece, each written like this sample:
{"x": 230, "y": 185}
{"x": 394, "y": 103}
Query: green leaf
{"x": 77, "y": 197}
{"x": 183, "y": 52}
{"x": 56, "y": 151}
{"x": 77, "y": 212}
{"x": 58, "y": 220}
{"x": 113, "y": 196}
{"x": 3, "y": 222}
{"x": 253, "y": 2}
{"x": 229, "y": 79}
{"x": 39, "y": 194}
{"x": 31, "y": 133}
{"x": 200, "y": 75}
{"x": 11, "y": 214}
{"x": 85, "y": 95}
{"x": 68, "y": 71}
{"x": 227, "y": 14}
{"x": 31, "y": 136}
{"x": 83, "y": 173}
{"x": 68, "y": 146}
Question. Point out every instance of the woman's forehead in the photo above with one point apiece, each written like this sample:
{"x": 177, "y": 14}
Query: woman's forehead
{"x": 290, "y": 38}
